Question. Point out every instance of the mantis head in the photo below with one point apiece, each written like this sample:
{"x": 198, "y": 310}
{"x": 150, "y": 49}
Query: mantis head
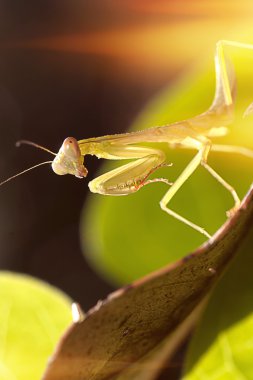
{"x": 69, "y": 159}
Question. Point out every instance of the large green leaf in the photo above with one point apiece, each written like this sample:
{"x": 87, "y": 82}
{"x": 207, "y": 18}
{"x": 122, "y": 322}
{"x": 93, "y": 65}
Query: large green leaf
{"x": 33, "y": 315}
{"x": 127, "y": 237}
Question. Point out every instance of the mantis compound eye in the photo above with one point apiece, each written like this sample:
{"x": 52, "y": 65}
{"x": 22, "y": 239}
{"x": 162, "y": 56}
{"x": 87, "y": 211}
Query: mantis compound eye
{"x": 69, "y": 159}
{"x": 71, "y": 148}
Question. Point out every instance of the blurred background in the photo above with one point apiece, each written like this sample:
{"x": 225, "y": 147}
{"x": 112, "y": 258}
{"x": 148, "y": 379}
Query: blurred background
{"x": 87, "y": 68}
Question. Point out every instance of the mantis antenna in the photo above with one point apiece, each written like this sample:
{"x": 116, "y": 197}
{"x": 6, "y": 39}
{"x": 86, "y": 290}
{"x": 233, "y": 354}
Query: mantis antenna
{"x": 24, "y": 171}
{"x": 27, "y": 142}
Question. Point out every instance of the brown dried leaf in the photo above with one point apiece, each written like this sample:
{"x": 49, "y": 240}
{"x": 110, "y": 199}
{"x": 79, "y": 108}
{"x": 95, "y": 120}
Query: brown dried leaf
{"x": 122, "y": 331}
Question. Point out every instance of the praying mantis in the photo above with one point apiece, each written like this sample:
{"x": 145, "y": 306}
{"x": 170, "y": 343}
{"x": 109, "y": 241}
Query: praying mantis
{"x": 193, "y": 133}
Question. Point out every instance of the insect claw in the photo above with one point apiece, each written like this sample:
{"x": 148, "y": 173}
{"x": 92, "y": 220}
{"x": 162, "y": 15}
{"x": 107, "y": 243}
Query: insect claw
{"x": 204, "y": 232}
{"x": 164, "y": 180}
{"x": 166, "y": 165}
{"x": 232, "y": 211}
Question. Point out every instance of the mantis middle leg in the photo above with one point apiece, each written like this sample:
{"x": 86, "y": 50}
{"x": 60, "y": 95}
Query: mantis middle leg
{"x": 188, "y": 171}
{"x": 225, "y": 149}
{"x": 199, "y": 159}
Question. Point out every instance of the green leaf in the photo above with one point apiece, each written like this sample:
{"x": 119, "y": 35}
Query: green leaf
{"x": 33, "y": 315}
{"x": 119, "y": 336}
{"x": 127, "y": 237}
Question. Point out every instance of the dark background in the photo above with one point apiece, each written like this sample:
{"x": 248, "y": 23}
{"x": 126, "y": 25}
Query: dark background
{"x": 46, "y": 95}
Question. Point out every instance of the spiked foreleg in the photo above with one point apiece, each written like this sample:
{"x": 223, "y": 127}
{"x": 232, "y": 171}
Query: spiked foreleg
{"x": 131, "y": 177}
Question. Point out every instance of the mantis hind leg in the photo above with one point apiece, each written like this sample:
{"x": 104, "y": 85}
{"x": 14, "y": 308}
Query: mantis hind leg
{"x": 224, "y": 77}
{"x": 233, "y": 149}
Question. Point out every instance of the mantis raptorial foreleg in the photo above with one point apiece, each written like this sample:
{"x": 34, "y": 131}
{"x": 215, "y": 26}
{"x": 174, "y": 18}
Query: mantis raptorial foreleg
{"x": 132, "y": 176}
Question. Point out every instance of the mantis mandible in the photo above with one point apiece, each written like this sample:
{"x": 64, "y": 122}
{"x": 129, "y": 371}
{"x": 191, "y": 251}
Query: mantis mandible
{"x": 193, "y": 133}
